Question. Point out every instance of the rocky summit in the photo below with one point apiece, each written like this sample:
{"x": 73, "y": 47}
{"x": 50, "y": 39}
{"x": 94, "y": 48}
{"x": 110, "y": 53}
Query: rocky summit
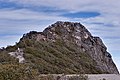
{"x": 63, "y": 47}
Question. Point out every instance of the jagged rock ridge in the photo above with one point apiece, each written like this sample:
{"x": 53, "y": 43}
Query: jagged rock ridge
{"x": 66, "y": 47}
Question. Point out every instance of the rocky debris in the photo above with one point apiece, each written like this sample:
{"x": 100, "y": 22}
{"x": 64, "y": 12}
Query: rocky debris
{"x": 75, "y": 33}
{"x": 18, "y": 54}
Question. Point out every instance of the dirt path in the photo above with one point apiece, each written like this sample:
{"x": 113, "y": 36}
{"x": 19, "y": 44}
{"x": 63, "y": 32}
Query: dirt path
{"x": 104, "y": 77}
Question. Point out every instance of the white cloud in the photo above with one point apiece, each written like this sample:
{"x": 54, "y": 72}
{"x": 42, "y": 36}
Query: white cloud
{"x": 74, "y": 5}
{"x": 24, "y": 14}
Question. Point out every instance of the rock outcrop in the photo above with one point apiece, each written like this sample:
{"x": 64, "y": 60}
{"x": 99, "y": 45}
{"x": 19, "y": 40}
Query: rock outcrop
{"x": 18, "y": 54}
{"x": 66, "y": 47}
{"x": 79, "y": 35}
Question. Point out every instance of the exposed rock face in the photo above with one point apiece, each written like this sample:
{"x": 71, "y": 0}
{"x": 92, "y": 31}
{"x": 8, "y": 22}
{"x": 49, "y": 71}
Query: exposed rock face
{"x": 18, "y": 54}
{"x": 78, "y": 40}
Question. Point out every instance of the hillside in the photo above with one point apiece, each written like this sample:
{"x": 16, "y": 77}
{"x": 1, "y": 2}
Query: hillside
{"x": 63, "y": 47}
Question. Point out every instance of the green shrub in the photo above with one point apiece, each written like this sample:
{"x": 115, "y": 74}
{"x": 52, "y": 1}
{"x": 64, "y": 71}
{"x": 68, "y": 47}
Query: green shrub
{"x": 17, "y": 72}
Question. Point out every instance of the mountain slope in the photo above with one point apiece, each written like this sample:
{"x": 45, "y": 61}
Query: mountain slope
{"x": 63, "y": 47}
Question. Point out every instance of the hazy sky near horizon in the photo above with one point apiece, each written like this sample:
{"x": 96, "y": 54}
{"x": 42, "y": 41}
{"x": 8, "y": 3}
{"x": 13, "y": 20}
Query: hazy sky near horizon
{"x": 100, "y": 17}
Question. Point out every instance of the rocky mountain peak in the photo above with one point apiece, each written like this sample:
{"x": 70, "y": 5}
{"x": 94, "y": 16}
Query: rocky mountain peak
{"x": 71, "y": 46}
{"x": 73, "y": 31}
{"x": 63, "y": 29}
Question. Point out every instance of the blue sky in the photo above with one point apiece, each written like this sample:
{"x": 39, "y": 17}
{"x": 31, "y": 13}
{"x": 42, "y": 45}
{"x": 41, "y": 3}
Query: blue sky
{"x": 100, "y": 17}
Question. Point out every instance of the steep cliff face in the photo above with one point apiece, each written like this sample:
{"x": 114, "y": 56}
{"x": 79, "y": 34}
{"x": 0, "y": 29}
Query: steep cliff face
{"x": 66, "y": 47}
